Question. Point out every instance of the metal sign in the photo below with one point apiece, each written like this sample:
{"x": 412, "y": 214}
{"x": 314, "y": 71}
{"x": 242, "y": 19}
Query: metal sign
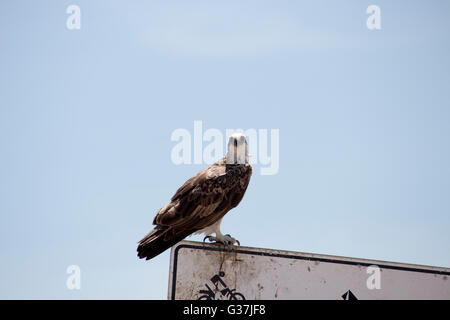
{"x": 200, "y": 271}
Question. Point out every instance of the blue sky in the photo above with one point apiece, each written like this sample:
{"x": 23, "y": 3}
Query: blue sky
{"x": 86, "y": 118}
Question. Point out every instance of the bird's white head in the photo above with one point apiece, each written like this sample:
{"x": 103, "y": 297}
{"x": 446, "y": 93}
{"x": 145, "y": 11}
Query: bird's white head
{"x": 237, "y": 152}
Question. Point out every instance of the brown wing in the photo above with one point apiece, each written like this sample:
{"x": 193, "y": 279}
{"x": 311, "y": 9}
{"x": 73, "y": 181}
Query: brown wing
{"x": 198, "y": 203}
{"x": 194, "y": 204}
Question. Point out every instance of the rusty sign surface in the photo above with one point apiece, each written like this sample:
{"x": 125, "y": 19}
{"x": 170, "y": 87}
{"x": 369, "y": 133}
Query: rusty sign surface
{"x": 200, "y": 271}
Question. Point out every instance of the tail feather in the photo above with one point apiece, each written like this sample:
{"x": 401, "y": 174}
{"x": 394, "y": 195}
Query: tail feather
{"x": 156, "y": 242}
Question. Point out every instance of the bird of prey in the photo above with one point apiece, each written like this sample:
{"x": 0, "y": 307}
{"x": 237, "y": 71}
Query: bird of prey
{"x": 200, "y": 203}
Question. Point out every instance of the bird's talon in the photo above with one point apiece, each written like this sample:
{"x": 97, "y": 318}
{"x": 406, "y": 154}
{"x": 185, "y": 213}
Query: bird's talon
{"x": 230, "y": 240}
{"x": 226, "y": 240}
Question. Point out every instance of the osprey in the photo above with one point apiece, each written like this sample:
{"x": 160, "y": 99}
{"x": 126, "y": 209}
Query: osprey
{"x": 200, "y": 203}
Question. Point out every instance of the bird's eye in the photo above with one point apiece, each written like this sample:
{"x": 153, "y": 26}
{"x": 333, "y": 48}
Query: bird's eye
{"x": 235, "y": 142}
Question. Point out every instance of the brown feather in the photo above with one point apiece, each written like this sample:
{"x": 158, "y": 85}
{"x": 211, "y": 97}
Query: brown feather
{"x": 198, "y": 203}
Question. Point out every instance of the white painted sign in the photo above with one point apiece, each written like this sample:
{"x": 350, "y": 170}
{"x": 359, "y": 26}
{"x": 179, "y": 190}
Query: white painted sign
{"x": 209, "y": 271}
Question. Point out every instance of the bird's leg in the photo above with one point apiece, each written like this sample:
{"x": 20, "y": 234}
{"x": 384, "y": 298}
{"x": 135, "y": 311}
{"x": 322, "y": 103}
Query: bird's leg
{"x": 223, "y": 239}
{"x": 231, "y": 240}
